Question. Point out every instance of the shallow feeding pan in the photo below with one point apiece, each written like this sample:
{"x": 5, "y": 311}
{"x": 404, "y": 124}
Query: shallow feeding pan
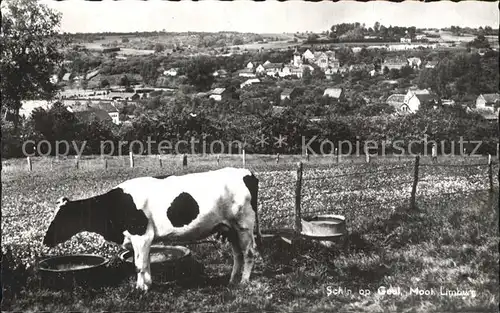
{"x": 168, "y": 263}
{"x": 324, "y": 227}
{"x": 67, "y": 271}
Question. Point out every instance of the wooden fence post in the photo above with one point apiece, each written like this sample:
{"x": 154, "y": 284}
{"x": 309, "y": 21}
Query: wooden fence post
{"x": 77, "y": 162}
{"x": 218, "y": 159}
{"x": 160, "y": 161}
{"x": 30, "y": 167}
{"x": 338, "y": 156}
{"x": 498, "y": 151}
{"x": 184, "y": 160}
{"x": 105, "y": 163}
{"x": 298, "y": 195}
{"x": 307, "y": 155}
{"x": 131, "y": 157}
{"x": 244, "y": 158}
{"x": 277, "y": 158}
{"x": 490, "y": 172}
{"x": 415, "y": 183}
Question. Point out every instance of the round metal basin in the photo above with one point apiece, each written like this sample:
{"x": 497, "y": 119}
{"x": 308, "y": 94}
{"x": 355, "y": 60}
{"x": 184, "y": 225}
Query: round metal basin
{"x": 324, "y": 227}
{"x": 68, "y": 271}
{"x": 168, "y": 263}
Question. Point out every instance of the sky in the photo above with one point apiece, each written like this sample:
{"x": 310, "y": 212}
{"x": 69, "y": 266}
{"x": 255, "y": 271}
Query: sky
{"x": 265, "y": 17}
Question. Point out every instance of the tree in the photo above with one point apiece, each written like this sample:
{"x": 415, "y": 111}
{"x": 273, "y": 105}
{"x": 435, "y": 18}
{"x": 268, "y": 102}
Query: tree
{"x": 104, "y": 83}
{"x": 306, "y": 75}
{"x": 29, "y": 52}
{"x": 124, "y": 81}
{"x": 199, "y": 72}
{"x": 479, "y": 42}
{"x": 159, "y": 48}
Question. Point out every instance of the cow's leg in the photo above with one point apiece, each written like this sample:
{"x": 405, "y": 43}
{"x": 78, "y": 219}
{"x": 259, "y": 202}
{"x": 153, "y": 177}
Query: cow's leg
{"x": 237, "y": 257}
{"x": 248, "y": 250}
{"x": 142, "y": 247}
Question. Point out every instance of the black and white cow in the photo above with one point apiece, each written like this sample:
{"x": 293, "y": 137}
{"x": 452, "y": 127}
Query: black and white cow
{"x": 169, "y": 208}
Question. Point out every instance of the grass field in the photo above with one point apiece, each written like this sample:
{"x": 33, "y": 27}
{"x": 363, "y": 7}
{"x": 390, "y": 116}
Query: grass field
{"x": 449, "y": 243}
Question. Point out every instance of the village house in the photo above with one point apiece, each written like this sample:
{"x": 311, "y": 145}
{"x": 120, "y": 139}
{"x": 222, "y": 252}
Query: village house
{"x": 171, "y": 72}
{"x": 250, "y": 65}
{"x": 112, "y": 111}
{"x": 220, "y": 73}
{"x": 414, "y": 62}
{"x": 394, "y": 64}
{"x": 66, "y": 77}
{"x": 249, "y": 82}
{"x": 489, "y": 101}
{"x": 218, "y": 94}
{"x": 397, "y": 102}
{"x": 247, "y": 72}
{"x": 273, "y": 69}
{"x": 335, "y": 93}
{"x": 260, "y": 70}
{"x": 288, "y": 93}
{"x": 431, "y": 64}
{"x": 405, "y": 40}
{"x": 103, "y": 111}
{"x": 308, "y": 55}
{"x": 416, "y": 98}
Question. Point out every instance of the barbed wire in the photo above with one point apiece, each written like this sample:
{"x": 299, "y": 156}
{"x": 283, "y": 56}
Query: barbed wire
{"x": 356, "y": 173}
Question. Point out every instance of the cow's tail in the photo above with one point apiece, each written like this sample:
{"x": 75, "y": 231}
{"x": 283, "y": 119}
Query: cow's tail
{"x": 252, "y": 184}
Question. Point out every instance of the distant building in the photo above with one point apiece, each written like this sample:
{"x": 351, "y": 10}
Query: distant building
{"x": 250, "y": 65}
{"x": 397, "y": 101}
{"x": 489, "y": 101}
{"x": 171, "y": 72}
{"x": 249, "y": 82}
{"x": 405, "y": 40}
{"x": 66, "y": 77}
{"x": 416, "y": 98}
{"x": 288, "y": 93}
{"x": 431, "y": 64}
{"x": 335, "y": 93}
{"x": 414, "y": 62}
{"x": 246, "y": 73}
{"x": 394, "y": 64}
{"x": 218, "y": 94}
{"x": 220, "y": 73}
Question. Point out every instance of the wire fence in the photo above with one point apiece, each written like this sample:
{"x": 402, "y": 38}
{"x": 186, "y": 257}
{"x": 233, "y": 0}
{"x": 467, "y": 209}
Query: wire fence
{"x": 349, "y": 189}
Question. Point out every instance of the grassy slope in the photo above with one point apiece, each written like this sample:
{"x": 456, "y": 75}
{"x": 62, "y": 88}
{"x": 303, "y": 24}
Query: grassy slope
{"x": 451, "y": 242}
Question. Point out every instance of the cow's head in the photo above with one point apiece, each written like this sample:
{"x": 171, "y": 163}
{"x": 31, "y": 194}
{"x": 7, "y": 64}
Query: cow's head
{"x": 62, "y": 226}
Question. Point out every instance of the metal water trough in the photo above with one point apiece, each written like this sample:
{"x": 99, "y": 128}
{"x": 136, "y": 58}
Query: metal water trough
{"x": 168, "y": 263}
{"x": 68, "y": 271}
{"x": 324, "y": 227}
{"x": 327, "y": 228}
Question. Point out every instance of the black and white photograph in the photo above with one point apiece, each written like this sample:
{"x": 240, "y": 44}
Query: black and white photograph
{"x": 250, "y": 156}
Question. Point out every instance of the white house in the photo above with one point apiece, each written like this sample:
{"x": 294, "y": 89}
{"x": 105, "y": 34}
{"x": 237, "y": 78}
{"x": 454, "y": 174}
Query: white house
{"x": 217, "y": 94}
{"x": 335, "y": 93}
{"x": 249, "y": 82}
{"x": 308, "y": 55}
{"x": 260, "y": 70}
{"x": 488, "y": 101}
{"x": 246, "y": 73}
{"x": 171, "y": 72}
{"x": 250, "y": 65}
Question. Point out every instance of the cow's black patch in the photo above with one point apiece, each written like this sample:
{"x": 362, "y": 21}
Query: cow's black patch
{"x": 162, "y": 176}
{"x": 109, "y": 215}
{"x": 252, "y": 184}
{"x": 183, "y": 210}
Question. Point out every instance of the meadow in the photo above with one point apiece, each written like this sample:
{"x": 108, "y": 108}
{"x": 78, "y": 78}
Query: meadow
{"x": 449, "y": 242}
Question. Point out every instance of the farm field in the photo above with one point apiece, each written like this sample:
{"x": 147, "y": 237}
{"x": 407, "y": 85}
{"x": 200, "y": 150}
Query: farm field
{"x": 448, "y": 243}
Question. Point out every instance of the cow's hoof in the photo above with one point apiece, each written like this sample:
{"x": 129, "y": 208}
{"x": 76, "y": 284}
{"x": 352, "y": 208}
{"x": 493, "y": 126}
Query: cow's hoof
{"x": 142, "y": 287}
